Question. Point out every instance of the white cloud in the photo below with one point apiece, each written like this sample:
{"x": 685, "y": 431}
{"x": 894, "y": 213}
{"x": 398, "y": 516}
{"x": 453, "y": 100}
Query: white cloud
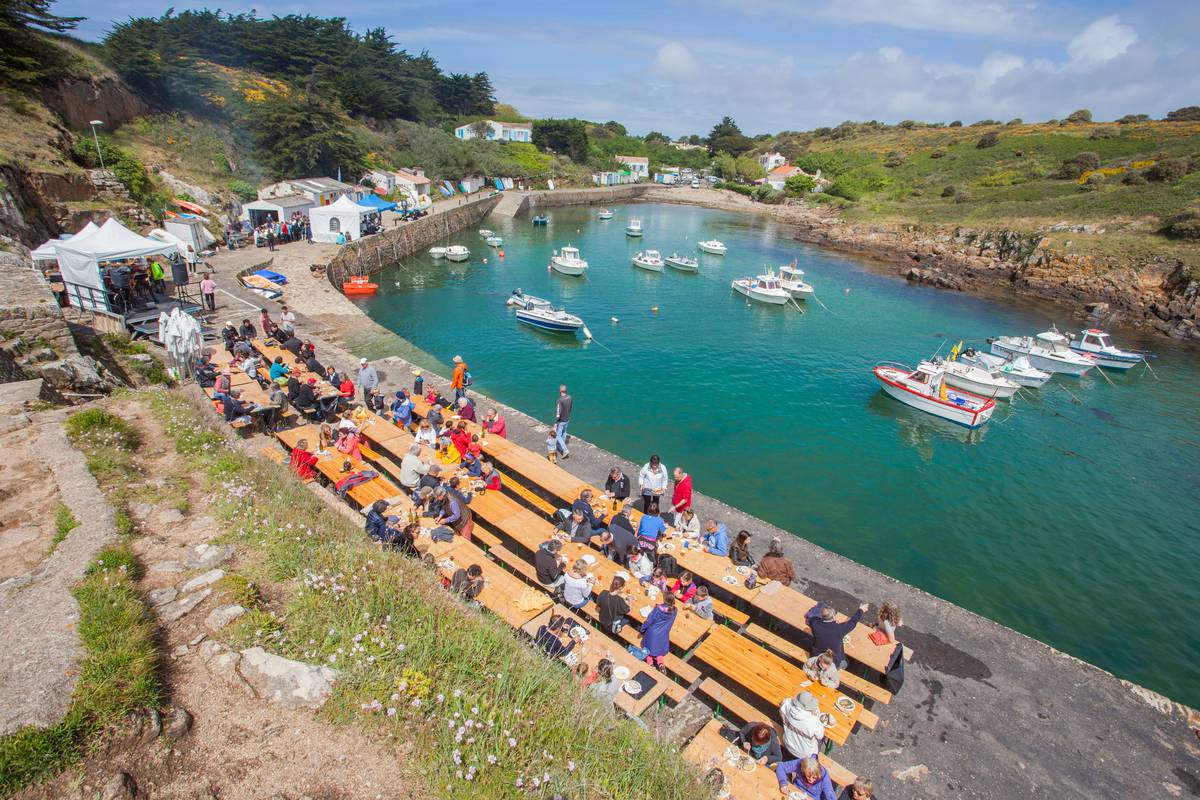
{"x": 1103, "y": 40}
{"x": 675, "y": 61}
{"x": 995, "y": 67}
{"x": 890, "y": 54}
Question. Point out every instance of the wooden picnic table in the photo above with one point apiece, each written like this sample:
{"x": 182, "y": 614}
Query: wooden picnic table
{"x": 707, "y": 750}
{"x": 599, "y": 646}
{"x": 773, "y": 678}
{"x": 330, "y": 465}
{"x": 501, "y": 589}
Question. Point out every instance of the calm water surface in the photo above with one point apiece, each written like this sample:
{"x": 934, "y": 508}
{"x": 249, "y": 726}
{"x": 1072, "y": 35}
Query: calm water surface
{"x": 1074, "y": 516}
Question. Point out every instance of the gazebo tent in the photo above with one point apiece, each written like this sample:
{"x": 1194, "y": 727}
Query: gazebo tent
{"x": 376, "y": 202}
{"x": 79, "y": 260}
{"x": 48, "y": 251}
{"x": 344, "y": 216}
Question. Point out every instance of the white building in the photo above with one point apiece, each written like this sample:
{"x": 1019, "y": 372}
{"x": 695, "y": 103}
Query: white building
{"x": 319, "y": 191}
{"x": 770, "y": 161}
{"x": 275, "y": 209}
{"x": 498, "y": 131}
{"x": 472, "y": 183}
{"x": 612, "y": 178}
{"x": 409, "y": 181}
{"x": 638, "y": 165}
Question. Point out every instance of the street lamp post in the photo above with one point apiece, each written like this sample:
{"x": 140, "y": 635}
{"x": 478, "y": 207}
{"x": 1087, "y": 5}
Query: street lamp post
{"x": 96, "y": 139}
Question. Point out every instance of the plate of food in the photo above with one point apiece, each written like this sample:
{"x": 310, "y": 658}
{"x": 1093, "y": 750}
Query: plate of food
{"x": 732, "y": 581}
{"x": 667, "y": 547}
{"x": 589, "y": 559}
{"x": 579, "y": 633}
{"x": 743, "y": 570}
{"x": 570, "y": 659}
{"x": 827, "y": 719}
{"x": 732, "y": 754}
{"x": 621, "y": 673}
{"x": 623, "y": 575}
{"x": 844, "y": 704}
{"x": 797, "y": 795}
{"x": 633, "y": 687}
{"x": 645, "y": 610}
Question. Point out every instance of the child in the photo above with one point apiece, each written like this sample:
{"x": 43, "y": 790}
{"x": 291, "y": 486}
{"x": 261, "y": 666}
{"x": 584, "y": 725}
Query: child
{"x": 551, "y": 447}
{"x": 684, "y": 588}
{"x": 475, "y": 448}
{"x": 471, "y": 465}
{"x": 658, "y": 579}
{"x": 418, "y": 383}
{"x": 702, "y": 604}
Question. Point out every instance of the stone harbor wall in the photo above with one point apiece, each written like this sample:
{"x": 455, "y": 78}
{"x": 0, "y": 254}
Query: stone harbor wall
{"x": 515, "y": 204}
{"x": 28, "y": 309}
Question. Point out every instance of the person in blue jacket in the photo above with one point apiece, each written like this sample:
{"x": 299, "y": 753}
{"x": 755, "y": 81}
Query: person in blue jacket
{"x": 656, "y": 631}
{"x": 807, "y": 775}
{"x": 715, "y": 538}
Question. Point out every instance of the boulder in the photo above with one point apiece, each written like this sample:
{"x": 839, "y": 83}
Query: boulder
{"x": 119, "y": 787}
{"x": 170, "y": 516}
{"x": 159, "y": 597}
{"x": 178, "y": 725}
{"x": 292, "y": 684}
{"x": 222, "y": 616}
{"x": 78, "y": 374}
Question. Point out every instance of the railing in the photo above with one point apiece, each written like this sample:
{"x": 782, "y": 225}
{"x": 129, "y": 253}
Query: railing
{"x": 91, "y": 298}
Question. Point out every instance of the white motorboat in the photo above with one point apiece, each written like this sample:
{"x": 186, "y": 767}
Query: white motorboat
{"x": 1097, "y": 344}
{"x": 1016, "y": 369}
{"x": 1047, "y": 351}
{"x": 649, "y": 259}
{"x": 485, "y": 233}
{"x": 791, "y": 278}
{"x": 762, "y": 289}
{"x": 605, "y": 214}
{"x": 978, "y": 380}
{"x": 494, "y": 241}
{"x": 437, "y": 252}
{"x": 521, "y": 300}
{"x": 682, "y": 263}
{"x": 712, "y": 246}
{"x": 634, "y": 228}
{"x": 924, "y": 389}
{"x": 550, "y": 319}
{"x": 568, "y": 261}
{"x": 456, "y": 252}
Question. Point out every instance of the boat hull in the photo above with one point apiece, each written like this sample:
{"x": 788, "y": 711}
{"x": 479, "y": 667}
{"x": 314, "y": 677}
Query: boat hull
{"x": 554, "y": 326}
{"x": 634, "y": 233}
{"x": 716, "y": 251}
{"x": 759, "y": 297}
{"x": 800, "y": 292}
{"x": 959, "y": 415}
{"x": 648, "y": 266}
{"x": 1110, "y": 360}
{"x": 681, "y": 266}
{"x": 437, "y": 252}
{"x": 1041, "y": 362}
{"x": 574, "y": 270}
{"x": 605, "y": 215}
{"x": 981, "y": 389}
{"x": 457, "y": 256}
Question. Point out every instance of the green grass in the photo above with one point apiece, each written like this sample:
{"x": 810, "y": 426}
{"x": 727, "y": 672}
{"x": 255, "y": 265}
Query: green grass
{"x": 117, "y": 674}
{"x": 415, "y": 663}
{"x": 97, "y": 427}
{"x": 64, "y": 523}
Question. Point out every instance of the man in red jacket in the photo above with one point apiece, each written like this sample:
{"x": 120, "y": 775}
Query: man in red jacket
{"x": 681, "y": 498}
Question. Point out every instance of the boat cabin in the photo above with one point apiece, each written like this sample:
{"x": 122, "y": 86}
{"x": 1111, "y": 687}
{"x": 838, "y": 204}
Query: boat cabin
{"x": 767, "y": 282}
{"x": 570, "y": 253}
{"x": 1095, "y": 338}
{"x": 930, "y": 377}
{"x": 789, "y": 272}
{"x": 1054, "y": 341}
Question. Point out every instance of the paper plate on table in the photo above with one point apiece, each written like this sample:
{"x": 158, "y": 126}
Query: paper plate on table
{"x": 589, "y": 559}
{"x": 633, "y": 687}
{"x": 827, "y": 719}
{"x": 805, "y": 684}
{"x": 747, "y": 764}
{"x": 732, "y": 754}
{"x": 570, "y": 659}
{"x": 799, "y": 796}
{"x": 844, "y": 704}
{"x": 621, "y": 673}
{"x": 667, "y": 547}
{"x": 580, "y": 633}
{"x": 623, "y": 576}
{"x": 645, "y": 610}
{"x": 743, "y": 570}
{"x": 732, "y": 581}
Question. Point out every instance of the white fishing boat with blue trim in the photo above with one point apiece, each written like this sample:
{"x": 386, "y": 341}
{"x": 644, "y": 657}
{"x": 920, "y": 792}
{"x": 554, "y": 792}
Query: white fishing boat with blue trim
{"x": 925, "y": 389}
{"x": 634, "y": 228}
{"x": 550, "y": 319}
{"x": 1097, "y": 344}
{"x": 1047, "y": 351}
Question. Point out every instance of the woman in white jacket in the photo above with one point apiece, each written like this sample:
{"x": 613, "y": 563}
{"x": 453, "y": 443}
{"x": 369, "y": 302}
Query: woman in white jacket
{"x": 802, "y": 727}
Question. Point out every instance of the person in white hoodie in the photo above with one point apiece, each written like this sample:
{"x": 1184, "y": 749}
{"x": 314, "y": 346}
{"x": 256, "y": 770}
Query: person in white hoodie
{"x": 802, "y": 727}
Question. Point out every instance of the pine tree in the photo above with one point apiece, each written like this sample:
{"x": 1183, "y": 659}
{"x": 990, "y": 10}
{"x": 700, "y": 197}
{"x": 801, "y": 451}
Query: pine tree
{"x": 24, "y": 56}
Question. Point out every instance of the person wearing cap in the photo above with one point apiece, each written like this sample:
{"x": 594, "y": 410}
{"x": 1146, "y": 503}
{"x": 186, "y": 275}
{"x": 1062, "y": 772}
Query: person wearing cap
{"x": 368, "y": 379}
{"x": 229, "y": 334}
{"x": 458, "y": 380}
{"x": 402, "y": 409}
{"x": 466, "y": 410}
{"x": 418, "y": 383}
{"x": 494, "y": 424}
{"x": 802, "y": 726}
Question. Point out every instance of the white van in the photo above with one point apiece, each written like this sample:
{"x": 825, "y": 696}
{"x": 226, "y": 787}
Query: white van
{"x": 695, "y": 183}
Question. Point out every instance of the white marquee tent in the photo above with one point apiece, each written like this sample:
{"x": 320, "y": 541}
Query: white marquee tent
{"x": 79, "y": 259}
{"x": 48, "y": 251}
{"x": 343, "y": 216}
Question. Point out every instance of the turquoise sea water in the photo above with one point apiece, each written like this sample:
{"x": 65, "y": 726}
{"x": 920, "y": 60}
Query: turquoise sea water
{"x": 1074, "y": 516}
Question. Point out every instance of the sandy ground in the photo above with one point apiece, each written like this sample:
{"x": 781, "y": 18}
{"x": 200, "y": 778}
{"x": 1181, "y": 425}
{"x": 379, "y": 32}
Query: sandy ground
{"x": 26, "y": 506}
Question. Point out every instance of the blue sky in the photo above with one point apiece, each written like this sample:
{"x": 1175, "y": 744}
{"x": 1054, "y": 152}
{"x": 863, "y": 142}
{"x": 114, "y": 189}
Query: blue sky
{"x": 678, "y": 66}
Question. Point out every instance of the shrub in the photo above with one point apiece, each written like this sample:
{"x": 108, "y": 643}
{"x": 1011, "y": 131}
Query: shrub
{"x": 1093, "y": 181}
{"x": 989, "y": 139}
{"x": 906, "y": 124}
{"x": 985, "y": 122}
{"x": 950, "y": 191}
{"x": 1168, "y": 169}
{"x": 956, "y": 124}
{"x": 97, "y": 427}
{"x": 243, "y": 189}
{"x": 1131, "y": 118}
{"x": 1015, "y": 121}
{"x": 1134, "y": 179}
{"x": 1185, "y": 114}
{"x": 1082, "y": 115}
{"x": 894, "y": 159}
{"x": 1078, "y": 164}
{"x": 1008, "y": 177}
{"x": 857, "y": 182}
{"x": 1183, "y": 226}
{"x": 748, "y": 191}
{"x": 937, "y": 154}
{"x": 765, "y": 193}
{"x": 1105, "y": 132}
{"x": 798, "y": 185}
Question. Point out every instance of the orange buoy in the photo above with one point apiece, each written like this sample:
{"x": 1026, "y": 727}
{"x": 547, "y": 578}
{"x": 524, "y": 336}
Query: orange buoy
{"x": 501, "y": 253}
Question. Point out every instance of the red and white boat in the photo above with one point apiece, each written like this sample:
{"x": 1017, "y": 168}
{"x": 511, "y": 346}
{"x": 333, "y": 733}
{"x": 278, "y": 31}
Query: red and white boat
{"x": 925, "y": 389}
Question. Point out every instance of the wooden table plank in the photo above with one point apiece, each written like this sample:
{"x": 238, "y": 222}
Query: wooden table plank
{"x": 707, "y": 750}
{"x": 501, "y": 588}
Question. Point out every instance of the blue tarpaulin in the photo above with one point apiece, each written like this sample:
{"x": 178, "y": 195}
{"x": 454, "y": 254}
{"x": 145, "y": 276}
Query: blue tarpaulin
{"x": 377, "y": 202}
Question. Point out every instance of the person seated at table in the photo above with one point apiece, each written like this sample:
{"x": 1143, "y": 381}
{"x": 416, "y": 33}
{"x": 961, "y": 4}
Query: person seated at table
{"x": 576, "y": 527}
{"x": 616, "y": 486}
{"x": 640, "y": 564}
{"x": 327, "y": 437}
{"x": 206, "y": 373}
{"x": 307, "y": 350}
{"x": 687, "y": 523}
{"x": 761, "y": 742}
{"x": 425, "y": 434}
{"x": 584, "y": 506}
{"x": 806, "y": 774}
{"x": 702, "y": 604}
{"x": 821, "y": 668}
{"x": 306, "y": 396}
{"x": 461, "y": 439}
{"x": 775, "y": 566}
{"x": 229, "y": 335}
{"x": 302, "y": 462}
{"x": 349, "y": 442}
{"x": 555, "y": 637}
{"x": 375, "y": 402}
{"x": 447, "y": 453}
{"x": 247, "y": 330}
{"x": 406, "y": 541}
{"x": 492, "y": 479}
{"x": 452, "y": 512}
{"x": 605, "y": 545}
{"x": 332, "y": 377}
{"x": 494, "y": 424}
{"x": 380, "y": 528}
{"x": 432, "y": 479}
{"x": 293, "y": 344}
{"x": 684, "y": 587}
{"x": 346, "y": 390}
{"x": 455, "y": 486}
{"x": 861, "y": 789}
{"x": 224, "y": 382}
{"x": 577, "y": 587}
{"x": 613, "y": 605}
{"x": 277, "y": 405}
{"x": 412, "y": 467}
{"x": 249, "y": 367}
{"x": 624, "y": 538}
{"x": 802, "y": 726}
{"x": 658, "y": 579}
{"x": 650, "y": 528}
{"x": 435, "y": 416}
{"x": 422, "y": 500}
{"x": 402, "y": 409}
{"x": 602, "y": 683}
{"x": 827, "y": 632}
{"x": 886, "y": 624}
{"x": 471, "y": 465}
{"x": 236, "y": 412}
{"x": 293, "y": 388}
{"x": 715, "y": 538}
{"x": 548, "y": 564}
{"x": 279, "y": 369}
{"x": 739, "y": 553}
{"x": 466, "y": 410}
{"x": 467, "y": 582}
{"x": 656, "y": 631}
{"x": 313, "y": 365}
{"x": 242, "y": 349}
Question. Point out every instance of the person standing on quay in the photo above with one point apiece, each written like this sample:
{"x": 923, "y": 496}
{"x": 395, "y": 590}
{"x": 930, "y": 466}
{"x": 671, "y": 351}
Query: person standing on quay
{"x": 458, "y": 380}
{"x": 208, "y": 288}
{"x": 562, "y": 418}
{"x": 368, "y": 379}
{"x": 653, "y": 482}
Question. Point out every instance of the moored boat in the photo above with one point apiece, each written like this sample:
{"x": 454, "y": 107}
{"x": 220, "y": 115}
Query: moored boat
{"x": 762, "y": 289}
{"x": 437, "y": 252}
{"x": 634, "y": 228}
{"x": 521, "y": 300}
{"x": 1047, "y": 351}
{"x": 978, "y": 380}
{"x": 925, "y": 389}
{"x": 682, "y": 263}
{"x": 649, "y": 260}
{"x": 791, "y": 278}
{"x": 541, "y": 220}
{"x": 1016, "y": 369}
{"x": 713, "y": 246}
{"x": 485, "y": 233}
{"x": 1097, "y": 344}
{"x": 550, "y": 319}
{"x": 359, "y": 286}
{"x": 568, "y": 261}
{"x": 456, "y": 252}
{"x": 605, "y": 214}
{"x": 494, "y": 241}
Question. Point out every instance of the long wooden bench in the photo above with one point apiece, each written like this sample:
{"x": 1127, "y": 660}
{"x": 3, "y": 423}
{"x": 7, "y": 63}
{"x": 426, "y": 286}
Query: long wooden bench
{"x": 273, "y": 454}
{"x": 798, "y": 653}
{"x": 745, "y": 711}
{"x": 728, "y": 612}
{"x": 511, "y": 484}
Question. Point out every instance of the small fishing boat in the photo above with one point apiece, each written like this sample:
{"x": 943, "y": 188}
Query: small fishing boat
{"x": 456, "y": 252}
{"x": 1097, "y": 344}
{"x": 359, "y": 286}
{"x": 1047, "y": 351}
{"x": 485, "y": 233}
{"x": 437, "y": 252}
{"x": 924, "y": 389}
{"x": 1016, "y": 369}
{"x": 713, "y": 246}
{"x": 568, "y": 261}
{"x": 550, "y": 319}
{"x": 762, "y": 289}
{"x": 634, "y": 228}
{"x": 605, "y": 214}
{"x": 649, "y": 260}
{"x": 494, "y": 241}
{"x": 978, "y": 380}
{"x": 682, "y": 263}
{"x": 791, "y": 278}
{"x": 541, "y": 220}
{"x": 521, "y": 300}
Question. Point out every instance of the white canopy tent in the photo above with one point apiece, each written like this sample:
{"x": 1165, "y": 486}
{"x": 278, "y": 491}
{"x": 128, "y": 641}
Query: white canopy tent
{"x": 343, "y": 216}
{"x": 79, "y": 260}
{"x": 48, "y": 251}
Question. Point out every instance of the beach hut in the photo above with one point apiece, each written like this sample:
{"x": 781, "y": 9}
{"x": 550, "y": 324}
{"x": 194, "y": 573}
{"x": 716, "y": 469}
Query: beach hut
{"x": 79, "y": 261}
{"x": 342, "y": 217}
